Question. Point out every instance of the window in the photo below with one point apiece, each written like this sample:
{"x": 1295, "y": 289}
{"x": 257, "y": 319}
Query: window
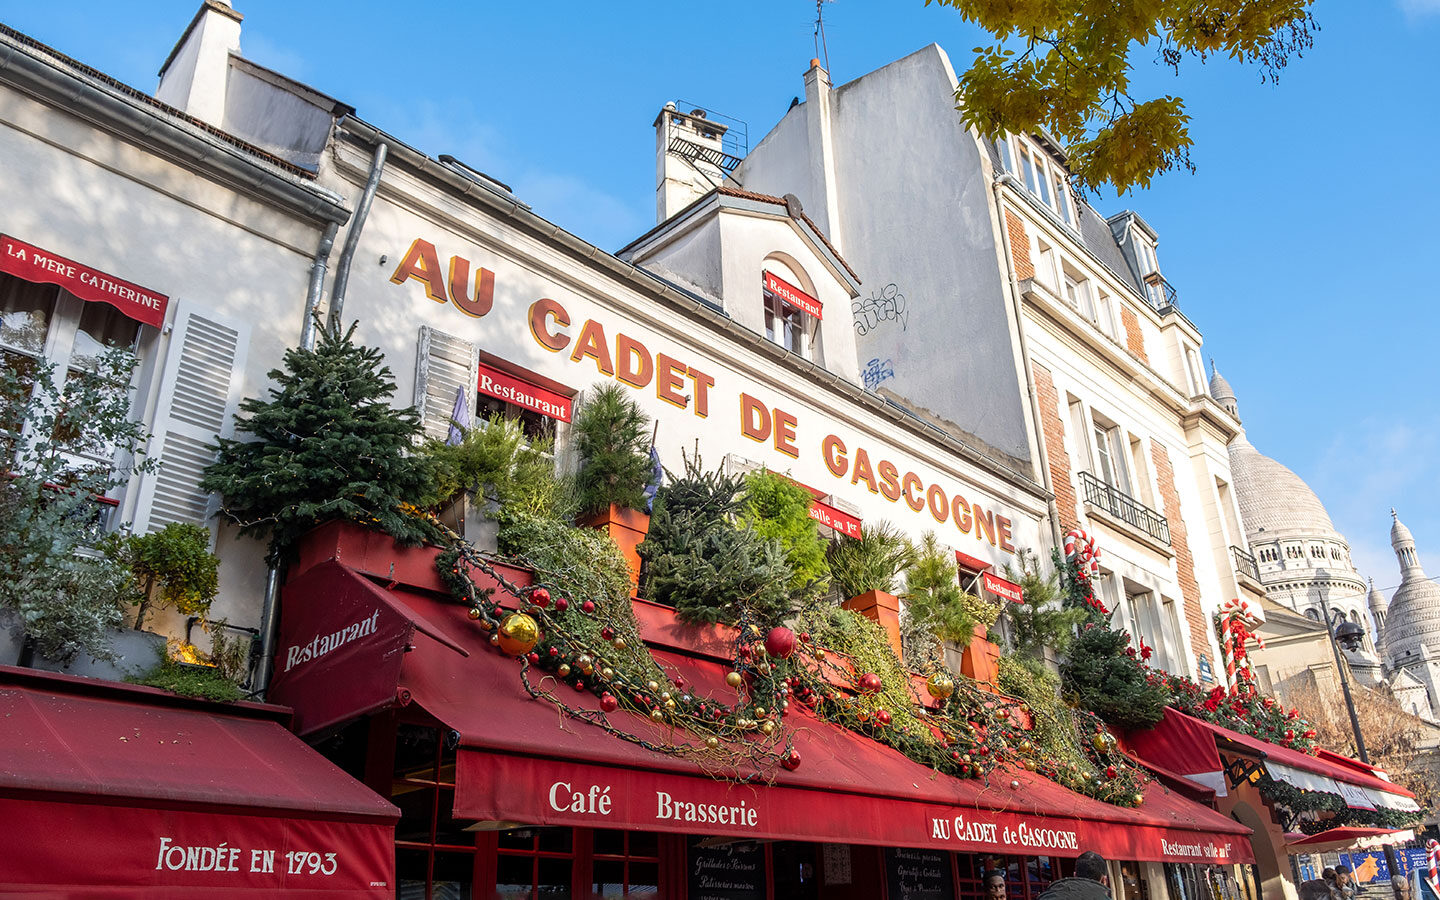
{"x": 792, "y": 316}
{"x": 1077, "y": 294}
{"x": 1109, "y": 457}
{"x": 626, "y": 864}
{"x": 1105, "y": 313}
{"x": 1194, "y": 372}
{"x": 1146, "y": 253}
{"x": 786, "y": 325}
{"x": 434, "y": 855}
{"x": 535, "y": 862}
{"x": 1047, "y": 268}
{"x": 1043, "y": 177}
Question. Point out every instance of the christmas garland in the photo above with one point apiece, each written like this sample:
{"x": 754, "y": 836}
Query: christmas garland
{"x": 1334, "y": 812}
{"x": 1243, "y": 709}
{"x": 858, "y": 683}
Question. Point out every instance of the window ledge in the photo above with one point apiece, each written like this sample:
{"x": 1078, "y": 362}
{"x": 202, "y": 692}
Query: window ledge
{"x": 1099, "y": 513}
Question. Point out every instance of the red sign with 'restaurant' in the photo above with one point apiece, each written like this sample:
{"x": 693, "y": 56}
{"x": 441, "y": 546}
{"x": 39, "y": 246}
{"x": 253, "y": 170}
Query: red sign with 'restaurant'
{"x": 831, "y": 517}
{"x": 1002, "y": 588}
{"x": 792, "y": 295}
{"x": 41, "y": 266}
{"x": 496, "y": 383}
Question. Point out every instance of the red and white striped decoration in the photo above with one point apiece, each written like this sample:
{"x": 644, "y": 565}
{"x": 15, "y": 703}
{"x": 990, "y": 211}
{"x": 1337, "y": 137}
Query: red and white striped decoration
{"x": 1236, "y": 625}
{"x": 1081, "y": 549}
{"x": 1432, "y": 850}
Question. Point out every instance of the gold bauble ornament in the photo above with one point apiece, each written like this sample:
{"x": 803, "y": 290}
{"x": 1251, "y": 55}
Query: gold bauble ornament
{"x": 1139, "y": 799}
{"x": 669, "y": 704}
{"x": 474, "y": 612}
{"x": 712, "y": 742}
{"x": 584, "y": 661}
{"x": 619, "y": 643}
{"x": 1098, "y": 741}
{"x": 652, "y": 686}
{"x": 664, "y": 695}
{"x": 656, "y": 714}
{"x": 760, "y": 711}
{"x": 518, "y": 634}
{"x": 767, "y": 727}
{"x": 940, "y": 685}
{"x": 734, "y": 679}
{"x": 563, "y": 670}
{"x": 607, "y": 673}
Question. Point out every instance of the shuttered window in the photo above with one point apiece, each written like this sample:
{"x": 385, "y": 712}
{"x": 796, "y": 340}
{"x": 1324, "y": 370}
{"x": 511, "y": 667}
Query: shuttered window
{"x": 200, "y": 390}
{"x": 445, "y": 367}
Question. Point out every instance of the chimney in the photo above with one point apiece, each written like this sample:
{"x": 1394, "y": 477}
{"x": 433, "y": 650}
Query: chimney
{"x": 687, "y": 159}
{"x": 195, "y": 75}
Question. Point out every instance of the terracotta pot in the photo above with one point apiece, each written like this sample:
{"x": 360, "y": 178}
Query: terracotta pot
{"x": 981, "y": 661}
{"x": 883, "y": 608}
{"x": 627, "y": 528}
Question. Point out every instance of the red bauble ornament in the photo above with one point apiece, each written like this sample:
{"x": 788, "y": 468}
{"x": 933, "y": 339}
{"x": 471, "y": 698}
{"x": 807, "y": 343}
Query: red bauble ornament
{"x": 804, "y": 637}
{"x": 587, "y": 607}
{"x": 882, "y": 716}
{"x": 534, "y": 658}
{"x": 579, "y": 686}
{"x": 791, "y": 761}
{"x": 608, "y": 702}
{"x": 540, "y": 597}
{"x": 870, "y": 682}
{"x": 607, "y": 633}
{"x": 562, "y": 604}
{"x": 554, "y": 651}
{"x": 1109, "y": 771}
{"x": 780, "y": 642}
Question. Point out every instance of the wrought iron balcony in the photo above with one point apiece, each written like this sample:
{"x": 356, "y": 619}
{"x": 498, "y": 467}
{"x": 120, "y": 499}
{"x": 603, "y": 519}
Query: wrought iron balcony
{"x": 1244, "y": 563}
{"x": 1127, "y": 509}
{"x": 1160, "y": 292}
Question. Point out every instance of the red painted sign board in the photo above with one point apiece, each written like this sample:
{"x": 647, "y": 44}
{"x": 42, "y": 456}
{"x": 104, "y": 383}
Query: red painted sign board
{"x": 831, "y": 517}
{"x": 496, "y": 383}
{"x": 41, "y": 266}
{"x": 792, "y": 295}
{"x": 1002, "y": 588}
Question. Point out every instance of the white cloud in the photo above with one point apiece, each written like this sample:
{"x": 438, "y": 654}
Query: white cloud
{"x": 1414, "y": 9}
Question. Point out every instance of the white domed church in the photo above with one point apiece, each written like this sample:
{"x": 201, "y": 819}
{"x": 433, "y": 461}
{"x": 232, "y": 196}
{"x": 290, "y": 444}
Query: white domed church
{"x": 1409, "y": 626}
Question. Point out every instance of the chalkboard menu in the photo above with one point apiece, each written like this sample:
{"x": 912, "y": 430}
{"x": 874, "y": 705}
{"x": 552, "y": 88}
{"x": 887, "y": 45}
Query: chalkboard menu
{"x": 734, "y": 871}
{"x": 919, "y": 875}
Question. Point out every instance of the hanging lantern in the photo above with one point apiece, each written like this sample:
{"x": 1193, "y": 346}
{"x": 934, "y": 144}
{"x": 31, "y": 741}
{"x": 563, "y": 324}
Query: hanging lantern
{"x": 940, "y": 685}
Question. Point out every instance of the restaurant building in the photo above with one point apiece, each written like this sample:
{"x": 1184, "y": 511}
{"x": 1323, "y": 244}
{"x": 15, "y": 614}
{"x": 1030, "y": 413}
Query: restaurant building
{"x": 732, "y": 324}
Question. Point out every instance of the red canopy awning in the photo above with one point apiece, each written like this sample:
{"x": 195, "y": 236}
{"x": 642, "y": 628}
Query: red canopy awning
{"x": 110, "y": 790}
{"x": 1335, "y": 839}
{"x": 521, "y": 761}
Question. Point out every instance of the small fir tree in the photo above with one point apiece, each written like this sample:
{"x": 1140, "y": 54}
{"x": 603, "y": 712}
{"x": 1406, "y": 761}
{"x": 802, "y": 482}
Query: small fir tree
{"x": 871, "y": 562}
{"x": 612, "y": 438}
{"x": 1111, "y": 683}
{"x": 934, "y": 602}
{"x": 698, "y": 560}
{"x": 328, "y": 445}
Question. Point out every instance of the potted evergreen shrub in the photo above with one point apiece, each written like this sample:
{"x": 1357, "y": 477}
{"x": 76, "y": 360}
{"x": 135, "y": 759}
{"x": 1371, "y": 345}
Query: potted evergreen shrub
{"x": 325, "y": 445}
{"x": 865, "y": 573}
{"x": 936, "y": 606}
{"x": 493, "y": 466}
{"x": 62, "y": 601}
{"x": 612, "y": 440}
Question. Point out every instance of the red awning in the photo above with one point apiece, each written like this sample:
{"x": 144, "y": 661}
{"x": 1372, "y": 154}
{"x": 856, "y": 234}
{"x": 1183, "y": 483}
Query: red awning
{"x": 1335, "y": 839}
{"x": 521, "y": 761}
{"x": 43, "y": 267}
{"x": 1183, "y": 745}
{"x": 109, "y": 790}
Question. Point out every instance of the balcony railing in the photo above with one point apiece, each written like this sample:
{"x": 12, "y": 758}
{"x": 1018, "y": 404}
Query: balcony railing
{"x": 1125, "y": 508}
{"x": 1160, "y": 292}
{"x": 1244, "y": 563}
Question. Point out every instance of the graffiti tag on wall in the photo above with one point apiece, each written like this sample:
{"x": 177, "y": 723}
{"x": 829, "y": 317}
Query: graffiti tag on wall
{"x": 886, "y": 304}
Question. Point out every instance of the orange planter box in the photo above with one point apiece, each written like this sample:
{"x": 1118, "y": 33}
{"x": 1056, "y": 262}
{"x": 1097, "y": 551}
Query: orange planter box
{"x": 627, "y": 528}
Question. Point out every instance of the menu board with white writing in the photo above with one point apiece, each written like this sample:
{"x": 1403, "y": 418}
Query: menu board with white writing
{"x": 733, "y": 871}
{"x": 919, "y": 874}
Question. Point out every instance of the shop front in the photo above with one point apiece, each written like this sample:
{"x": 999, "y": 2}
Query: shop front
{"x": 108, "y": 790}
{"x": 502, "y": 791}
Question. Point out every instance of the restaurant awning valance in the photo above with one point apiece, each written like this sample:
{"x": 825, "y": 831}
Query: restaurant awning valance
{"x": 521, "y": 761}
{"x": 1335, "y": 839}
{"x": 1177, "y": 743}
{"x": 109, "y": 790}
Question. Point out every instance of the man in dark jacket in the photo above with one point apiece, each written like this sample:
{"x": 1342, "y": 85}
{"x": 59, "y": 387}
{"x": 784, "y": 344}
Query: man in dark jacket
{"x": 1090, "y": 881}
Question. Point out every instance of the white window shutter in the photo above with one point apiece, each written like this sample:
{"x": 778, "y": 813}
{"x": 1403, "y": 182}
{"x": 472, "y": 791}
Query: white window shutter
{"x": 199, "y": 393}
{"x": 444, "y": 366}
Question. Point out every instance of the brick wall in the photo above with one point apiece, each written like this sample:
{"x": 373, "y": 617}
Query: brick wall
{"x": 1055, "y": 456}
{"x": 1134, "y": 337}
{"x": 1195, "y": 616}
{"x": 1019, "y": 247}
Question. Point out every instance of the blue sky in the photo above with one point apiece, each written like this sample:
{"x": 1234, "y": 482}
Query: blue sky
{"x": 1303, "y": 248}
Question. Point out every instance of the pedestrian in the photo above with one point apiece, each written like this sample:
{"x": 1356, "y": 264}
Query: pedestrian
{"x": 1345, "y": 882}
{"x": 1091, "y": 881}
{"x": 995, "y": 885}
{"x": 1317, "y": 889}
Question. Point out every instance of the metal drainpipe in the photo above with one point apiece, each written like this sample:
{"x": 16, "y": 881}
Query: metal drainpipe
{"x": 269, "y": 631}
{"x": 352, "y": 236}
{"x": 317, "y": 285}
{"x": 1052, "y": 504}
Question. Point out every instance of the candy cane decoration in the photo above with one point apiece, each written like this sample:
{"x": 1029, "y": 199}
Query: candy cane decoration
{"x": 1432, "y": 854}
{"x": 1236, "y": 626}
{"x": 1081, "y": 549}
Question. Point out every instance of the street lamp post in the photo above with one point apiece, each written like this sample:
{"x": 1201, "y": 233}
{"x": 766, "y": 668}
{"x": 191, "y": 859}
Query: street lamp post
{"x": 1351, "y": 634}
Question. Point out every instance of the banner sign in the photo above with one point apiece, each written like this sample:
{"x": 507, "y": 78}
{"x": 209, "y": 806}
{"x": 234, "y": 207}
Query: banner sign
{"x": 790, "y": 294}
{"x": 496, "y": 383}
{"x": 1002, "y": 588}
{"x": 41, "y": 266}
{"x": 831, "y": 517}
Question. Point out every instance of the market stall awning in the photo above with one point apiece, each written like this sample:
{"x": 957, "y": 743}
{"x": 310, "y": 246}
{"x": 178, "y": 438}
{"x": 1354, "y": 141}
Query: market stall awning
{"x": 1175, "y": 744}
{"x": 1335, "y": 839}
{"x": 110, "y": 790}
{"x": 522, "y": 761}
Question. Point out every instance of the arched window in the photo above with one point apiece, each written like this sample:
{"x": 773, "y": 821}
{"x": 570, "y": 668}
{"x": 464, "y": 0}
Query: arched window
{"x": 787, "y": 322}
{"x": 1313, "y": 613}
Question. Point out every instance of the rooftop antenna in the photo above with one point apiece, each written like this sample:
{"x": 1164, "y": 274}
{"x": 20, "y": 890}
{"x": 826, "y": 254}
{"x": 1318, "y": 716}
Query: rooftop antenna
{"x": 821, "y": 50}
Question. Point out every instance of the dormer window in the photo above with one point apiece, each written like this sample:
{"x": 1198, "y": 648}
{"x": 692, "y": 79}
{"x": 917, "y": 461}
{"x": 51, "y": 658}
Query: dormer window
{"x": 1041, "y": 175}
{"x": 792, "y": 315}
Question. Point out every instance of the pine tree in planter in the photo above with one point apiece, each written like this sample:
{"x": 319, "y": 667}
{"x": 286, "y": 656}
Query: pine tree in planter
{"x": 327, "y": 445}
{"x": 612, "y": 437}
